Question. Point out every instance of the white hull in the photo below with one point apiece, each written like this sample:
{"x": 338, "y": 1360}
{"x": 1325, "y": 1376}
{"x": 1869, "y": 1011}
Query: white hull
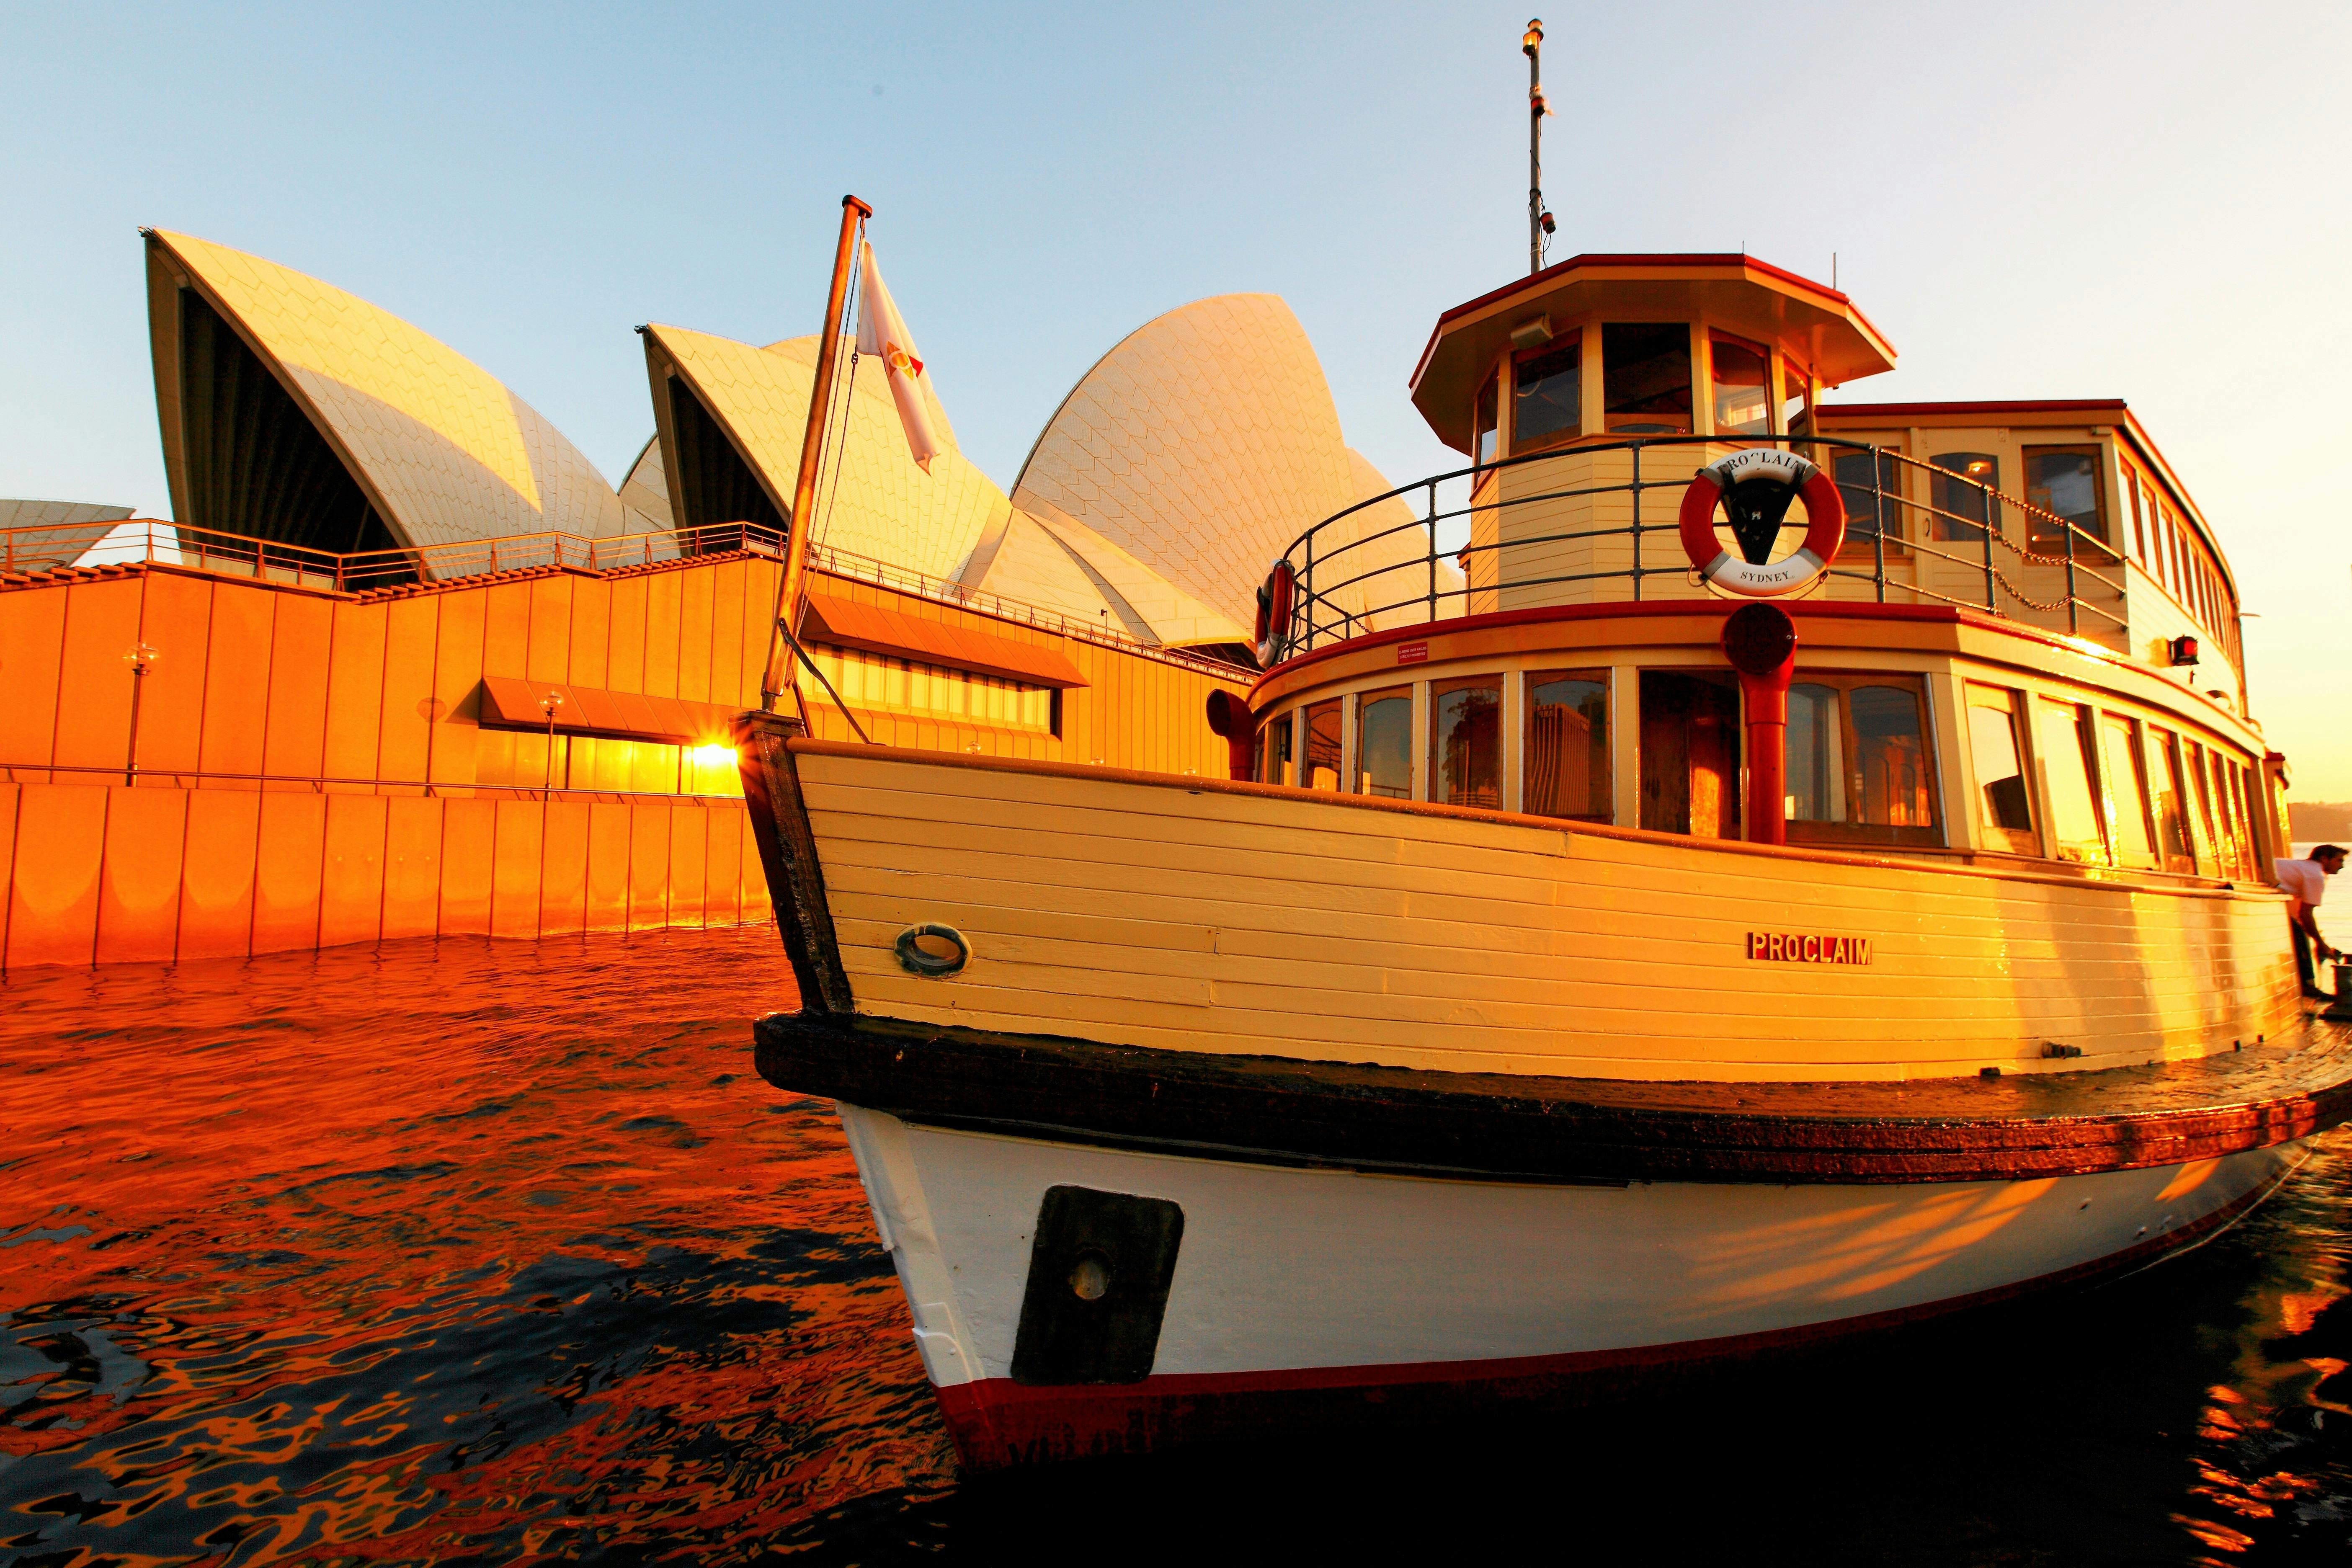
{"x": 1302, "y": 1277}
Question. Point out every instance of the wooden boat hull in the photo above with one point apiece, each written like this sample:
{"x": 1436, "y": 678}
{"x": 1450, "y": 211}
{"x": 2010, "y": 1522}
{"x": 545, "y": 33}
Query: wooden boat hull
{"x": 1304, "y": 1293}
{"x": 1202, "y": 915}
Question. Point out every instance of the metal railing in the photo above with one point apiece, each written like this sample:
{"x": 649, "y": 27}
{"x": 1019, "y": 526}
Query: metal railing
{"x": 47, "y": 547}
{"x": 1350, "y": 581}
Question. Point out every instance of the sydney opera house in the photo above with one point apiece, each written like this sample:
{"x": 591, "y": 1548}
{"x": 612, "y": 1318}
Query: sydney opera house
{"x": 403, "y": 662}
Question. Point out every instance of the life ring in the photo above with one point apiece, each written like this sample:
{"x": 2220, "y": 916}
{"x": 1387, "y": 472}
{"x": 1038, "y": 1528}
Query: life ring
{"x": 1718, "y": 567}
{"x": 1275, "y": 597}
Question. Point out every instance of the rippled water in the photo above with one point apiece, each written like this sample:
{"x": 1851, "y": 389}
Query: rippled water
{"x": 476, "y": 1252}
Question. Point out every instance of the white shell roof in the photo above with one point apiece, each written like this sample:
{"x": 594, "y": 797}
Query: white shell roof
{"x": 446, "y": 451}
{"x": 1201, "y": 446}
{"x": 883, "y": 505}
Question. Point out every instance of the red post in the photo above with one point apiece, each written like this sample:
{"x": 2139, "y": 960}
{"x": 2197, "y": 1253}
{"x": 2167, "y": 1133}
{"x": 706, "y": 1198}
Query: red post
{"x": 1761, "y": 640}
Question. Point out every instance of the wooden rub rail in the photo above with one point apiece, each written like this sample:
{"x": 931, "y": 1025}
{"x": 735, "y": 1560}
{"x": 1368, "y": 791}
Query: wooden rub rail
{"x": 1271, "y": 1110}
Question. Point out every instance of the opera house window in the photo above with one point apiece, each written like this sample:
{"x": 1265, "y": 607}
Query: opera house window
{"x": 2126, "y": 774}
{"x": 1857, "y": 759}
{"x": 1274, "y": 761}
{"x": 1384, "y": 742}
{"x": 1872, "y": 505}
{"x": 2065, "y": 481}
{"x": 1567, "y": 768}
{"x": 1466, "y": 741}
{"x": 1322, "y": 769}
{"x": 1743, "y": 399}
{"x": 1962, "y": 507}
{"x": 1996, "y": 746}
{"x": 1483, "y": 431}
{"x": 2075, "y": 828}
{"x": 1545, "y": 408}
{"x": 1645, "y": 376}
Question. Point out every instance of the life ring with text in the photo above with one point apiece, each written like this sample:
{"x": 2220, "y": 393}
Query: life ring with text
{"x": 1757, "y": 486}
{"x": 1275, "y": 597}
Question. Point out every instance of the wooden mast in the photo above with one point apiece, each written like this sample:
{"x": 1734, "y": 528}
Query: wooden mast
{"x": 780, "y": 675}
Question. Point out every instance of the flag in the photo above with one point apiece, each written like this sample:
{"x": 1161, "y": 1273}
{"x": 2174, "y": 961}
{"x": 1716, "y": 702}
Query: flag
{"x": 880, "y": 331}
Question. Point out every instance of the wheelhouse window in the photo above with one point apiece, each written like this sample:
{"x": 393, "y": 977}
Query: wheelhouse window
{"x": 1960, "y": 496}
{"x": 1276, "y": 765}
{"x": 1384, "y": 743}
{"x": 1466, "y": 741}
{"x": 1646, "y": 374}
{"x": 1322, "y": 769}
{"x": 1567, "y": 755}
{"x": 1870, "y": 485}
{"x": 2123, "y": 770}
{"x": 2063, "y": 481}
{"x": 1483, "y": 438}
{"x": 1858, "y": 765}
{"x": 1792, "y": 393}
{"x": 1547, "y": 408}
{"x": 2068, "y": 745}
{"x": 1997, "y": 749}
{"x": 1743, "y": 391}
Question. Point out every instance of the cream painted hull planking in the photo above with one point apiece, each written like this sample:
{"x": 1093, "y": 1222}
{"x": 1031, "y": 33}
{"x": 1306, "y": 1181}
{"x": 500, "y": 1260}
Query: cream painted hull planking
{"x": 1770, "y": 882}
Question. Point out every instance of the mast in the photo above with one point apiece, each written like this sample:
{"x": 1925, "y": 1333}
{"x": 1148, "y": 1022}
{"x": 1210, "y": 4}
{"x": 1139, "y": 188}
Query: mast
{"x": 1538, "y": 220}
{"x": 779, "y": 676}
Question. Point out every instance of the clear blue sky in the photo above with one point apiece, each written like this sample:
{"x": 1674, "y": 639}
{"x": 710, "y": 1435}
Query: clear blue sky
{"x": 2032, "y": 200}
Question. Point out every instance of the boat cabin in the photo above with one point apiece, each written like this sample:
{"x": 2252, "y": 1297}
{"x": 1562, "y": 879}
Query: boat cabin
{"x": 2025, "y": 645}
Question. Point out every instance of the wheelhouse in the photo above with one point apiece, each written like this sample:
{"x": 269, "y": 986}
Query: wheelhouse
{"x": 2025, "y": 647}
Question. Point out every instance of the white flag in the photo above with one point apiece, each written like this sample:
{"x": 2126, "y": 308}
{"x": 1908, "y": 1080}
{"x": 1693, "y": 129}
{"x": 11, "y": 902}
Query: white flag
{"x": 880, "y": 331}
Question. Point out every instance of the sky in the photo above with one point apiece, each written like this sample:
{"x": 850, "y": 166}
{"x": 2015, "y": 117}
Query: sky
{"x": 2044, "y": 200}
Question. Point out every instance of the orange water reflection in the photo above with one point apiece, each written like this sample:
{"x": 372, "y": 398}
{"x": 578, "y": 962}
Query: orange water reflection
{"x": 445, "y": 1250}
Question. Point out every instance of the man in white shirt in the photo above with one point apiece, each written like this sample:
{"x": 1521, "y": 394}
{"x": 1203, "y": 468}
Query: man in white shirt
{"x": 2306, "y": 883}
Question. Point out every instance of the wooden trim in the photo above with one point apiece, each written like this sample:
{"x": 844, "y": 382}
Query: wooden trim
{"x": 788, "y": 857}
{"x": 2098, "y": 876}
{"x": 1508, "y": 1127}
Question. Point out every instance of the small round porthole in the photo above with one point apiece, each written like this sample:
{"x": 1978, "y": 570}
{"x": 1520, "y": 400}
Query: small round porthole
{"x": 933, "y": 949}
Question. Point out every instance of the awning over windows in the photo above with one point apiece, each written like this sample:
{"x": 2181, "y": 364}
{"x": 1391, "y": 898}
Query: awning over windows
{"x": 843, "y": 622}
{"x": 509, "y": 703}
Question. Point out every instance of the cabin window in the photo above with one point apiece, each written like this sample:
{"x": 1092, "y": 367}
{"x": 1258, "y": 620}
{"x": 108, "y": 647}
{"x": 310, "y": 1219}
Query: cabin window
{"x": 1960, "y": 496}
{"x": 1743, "y": 392}
{"x": 1792, "y": 393}
{"x": 1384, "y": 743}
{"x": 1646, "y": 374}
{"x": 1322, "y": 763}
{"x": 1873, "y": 502}
{"x": 1567, "y": 756}
{"x": 2162, "y": 763}
{"x": 1546, "y": 400}
{"x": 2199, "y": 802}
{"x": 1690, "y": 752}
{"x": 1857, "y": 759}
{"x": 2068, "y": 747}
{"x": 1997, "y": 748}
{"x": 2232, "y": 811}
{"x": 2064, "y": 483}
{"x": 1466, "y": 741}
{"x": 1483, "y": 434}
{"x": 2258, "y": 853}
{"x": 1277, "y": 764}
{"x": 2123, "y": 768}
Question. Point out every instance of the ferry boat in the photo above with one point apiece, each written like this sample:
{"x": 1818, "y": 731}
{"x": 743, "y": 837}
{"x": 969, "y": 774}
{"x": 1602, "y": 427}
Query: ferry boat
{"x": 1798, "y": 868}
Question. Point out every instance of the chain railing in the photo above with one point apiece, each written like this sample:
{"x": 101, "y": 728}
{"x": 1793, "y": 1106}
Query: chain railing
{"x": 1349, "y": 581}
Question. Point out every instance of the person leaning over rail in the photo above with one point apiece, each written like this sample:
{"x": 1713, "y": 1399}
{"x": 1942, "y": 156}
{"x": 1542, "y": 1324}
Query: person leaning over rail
{"x": 2306, "y": 882}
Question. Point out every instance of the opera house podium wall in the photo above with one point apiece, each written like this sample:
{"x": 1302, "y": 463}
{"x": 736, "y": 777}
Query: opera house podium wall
{"x": 291, "y": 765}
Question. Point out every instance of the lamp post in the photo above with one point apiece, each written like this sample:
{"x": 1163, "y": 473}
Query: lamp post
{"x": 139, "y": 655}
{"x": 547, "y": 705}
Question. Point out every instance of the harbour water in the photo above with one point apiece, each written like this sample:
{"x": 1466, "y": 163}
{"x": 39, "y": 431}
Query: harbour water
{"x": 489, "y": 1252}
